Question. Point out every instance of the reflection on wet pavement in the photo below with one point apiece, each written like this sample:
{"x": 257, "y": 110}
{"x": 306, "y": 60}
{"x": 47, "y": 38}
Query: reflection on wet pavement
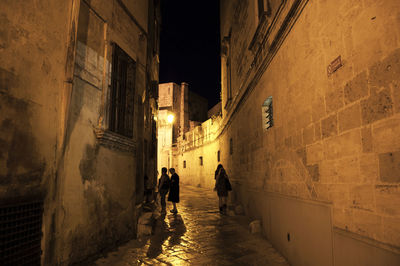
{"x": 197, "y": 235}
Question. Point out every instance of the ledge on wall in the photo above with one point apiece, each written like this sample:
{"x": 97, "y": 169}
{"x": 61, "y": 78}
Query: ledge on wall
{"x": 115, "y": 141}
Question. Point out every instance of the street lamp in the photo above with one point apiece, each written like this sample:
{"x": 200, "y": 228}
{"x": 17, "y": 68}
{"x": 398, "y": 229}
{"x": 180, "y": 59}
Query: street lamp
{"x": 170, "y": 118}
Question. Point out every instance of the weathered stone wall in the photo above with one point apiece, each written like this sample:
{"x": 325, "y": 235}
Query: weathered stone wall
{"x": 198, "y": 142}
{"x": 102, "y": 184}
{"x": 335, "y": 136}
{"x": 55, "y": 78}
{"x": 334, "y": 142}
{"x": 34, "y": 44}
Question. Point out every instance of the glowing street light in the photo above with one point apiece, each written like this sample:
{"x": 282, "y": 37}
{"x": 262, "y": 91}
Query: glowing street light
{"x": 170, "y": 118}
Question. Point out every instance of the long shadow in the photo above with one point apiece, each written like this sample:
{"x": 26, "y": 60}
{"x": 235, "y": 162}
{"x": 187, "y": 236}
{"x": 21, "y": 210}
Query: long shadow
{"x": 178, "y": 229}
{"x": 162, "y": 232}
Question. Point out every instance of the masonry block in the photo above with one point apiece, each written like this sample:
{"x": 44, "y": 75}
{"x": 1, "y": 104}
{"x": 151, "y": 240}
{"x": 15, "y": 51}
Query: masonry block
{"x": 366, "y": 138}
{"x": 382, "y": 73}
{"x": 391, "y": 230}
{"x": 342, "y": 218}
{"x": 356, "y": 88}
{"x": 297, "y": 139}
{"x": 363, "y": 197}
{"x": 348, "y": 170}
{"x": 367, "y": 223}
{"x": 345, "y": 144}
{"x": 349, "y": 118}
{"x": 396, "y": 96}
{"x": 334, "y": 100}
{"x": 339, "y": 195}
{"x": 318, "y": 109}
{"x": 328, "y": 172}
{"x": 389, "y": 167}
{"x": 329, "y": 126}
{"x": 369, "y": 168}
{"x": 315, "y": 153}
{"x": 313, "y": 170}
{"x": 387, "y": 199}
{"x": 385, "y": 135}
{"x": 301, "y": 153}
{"x": 317, "y": 128}
{"x": 377, "y": 107}
{"x": 308, "y": 134}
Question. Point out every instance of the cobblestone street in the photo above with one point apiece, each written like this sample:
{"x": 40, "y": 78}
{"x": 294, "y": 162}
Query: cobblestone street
{"x": 197, "y": 235}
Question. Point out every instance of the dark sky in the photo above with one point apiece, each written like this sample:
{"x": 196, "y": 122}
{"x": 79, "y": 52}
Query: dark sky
{"x": 189, "y": 49}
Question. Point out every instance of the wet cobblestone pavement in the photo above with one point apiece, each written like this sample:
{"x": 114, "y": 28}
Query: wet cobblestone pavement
{"x": 197, "y": 235}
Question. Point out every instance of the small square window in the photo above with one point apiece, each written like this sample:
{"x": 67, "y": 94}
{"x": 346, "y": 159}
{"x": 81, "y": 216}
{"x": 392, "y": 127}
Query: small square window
{"x": 184, "y": 164}
{"x": 201, "y": 160}
{"x": 267, "y": 113}
{"x": 219, "y": 156}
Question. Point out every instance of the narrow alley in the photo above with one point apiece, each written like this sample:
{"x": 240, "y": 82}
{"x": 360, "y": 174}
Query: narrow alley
{"x": 295, "y": 103}
{"x": 197, "y": 235}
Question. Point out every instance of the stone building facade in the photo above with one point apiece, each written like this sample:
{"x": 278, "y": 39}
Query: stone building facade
{"x": 310, "y": 126}
{"x": 78, "y": 93}
{"x": 184, "y": 108}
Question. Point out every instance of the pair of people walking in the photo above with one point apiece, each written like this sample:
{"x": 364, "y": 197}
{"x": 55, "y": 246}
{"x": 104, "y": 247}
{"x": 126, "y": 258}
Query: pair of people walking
{"x": 222, "y": 186}
{"x": 171, "y": 185}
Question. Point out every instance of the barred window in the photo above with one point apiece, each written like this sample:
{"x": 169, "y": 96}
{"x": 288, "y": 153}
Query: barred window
{"x": 122, "y": 93}
{"x": 184, "y": 164}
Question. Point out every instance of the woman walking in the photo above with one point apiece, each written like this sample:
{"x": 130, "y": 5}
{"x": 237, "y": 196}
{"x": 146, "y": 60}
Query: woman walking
{"x": 222, "y": 186}
{"x": 173, "y": 195}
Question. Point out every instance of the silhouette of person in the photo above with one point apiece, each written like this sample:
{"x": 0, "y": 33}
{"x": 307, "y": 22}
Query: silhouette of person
{"x": 222, "y": 186}
{"x": 163, "y": 187}
{"x": 173, "y": 195}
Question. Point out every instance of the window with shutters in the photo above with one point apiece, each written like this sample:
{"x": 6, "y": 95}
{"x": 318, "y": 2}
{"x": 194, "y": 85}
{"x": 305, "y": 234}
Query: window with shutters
{"x": 267, "y": 113}
{"x": 122, "y": 93}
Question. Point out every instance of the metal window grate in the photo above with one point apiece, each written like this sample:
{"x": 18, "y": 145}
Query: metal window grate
{"x": 20, "y": 233}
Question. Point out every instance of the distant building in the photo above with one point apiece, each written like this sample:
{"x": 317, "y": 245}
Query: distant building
{"x": 216, "y": 110}
{"x": 179, "y": 109}
{"x": 78, "y": 94}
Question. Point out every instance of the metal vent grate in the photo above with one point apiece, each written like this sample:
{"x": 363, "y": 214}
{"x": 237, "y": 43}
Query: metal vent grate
{"x": 20, "y": 233}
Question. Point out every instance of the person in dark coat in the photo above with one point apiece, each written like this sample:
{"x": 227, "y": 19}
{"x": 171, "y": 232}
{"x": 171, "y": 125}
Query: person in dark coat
{"x": 163, "y": 187}
{"x": 173, "y": 195}
{"x": 222, "y": 186}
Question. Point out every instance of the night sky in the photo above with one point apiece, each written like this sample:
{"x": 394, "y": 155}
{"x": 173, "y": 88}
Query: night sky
{"x": 189, "y": 50}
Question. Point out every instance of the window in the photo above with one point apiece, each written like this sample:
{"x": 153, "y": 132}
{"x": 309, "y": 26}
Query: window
{"x": 184, "y": 164}
{"x": 219, "y": 156}
{"x": 201, "y": 160}
{"x": 231, "y": 146}
{"x": 122, "y": 93}
{"x": 267, "y": 113}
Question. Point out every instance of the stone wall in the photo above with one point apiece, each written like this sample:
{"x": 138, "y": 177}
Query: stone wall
{"x": 199, "y": 142}
{"x": 55, "y": 143}
{"x": 334, "y": 141}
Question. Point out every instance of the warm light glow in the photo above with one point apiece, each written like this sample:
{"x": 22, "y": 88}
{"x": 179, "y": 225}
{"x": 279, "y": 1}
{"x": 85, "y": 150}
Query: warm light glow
{"x": 170, "y": 118}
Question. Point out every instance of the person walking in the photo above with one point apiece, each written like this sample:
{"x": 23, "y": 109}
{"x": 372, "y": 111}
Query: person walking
{"x": 222, "y": 186}
{"x": 173, "y": 195}
{"x": 163, "y": 187}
